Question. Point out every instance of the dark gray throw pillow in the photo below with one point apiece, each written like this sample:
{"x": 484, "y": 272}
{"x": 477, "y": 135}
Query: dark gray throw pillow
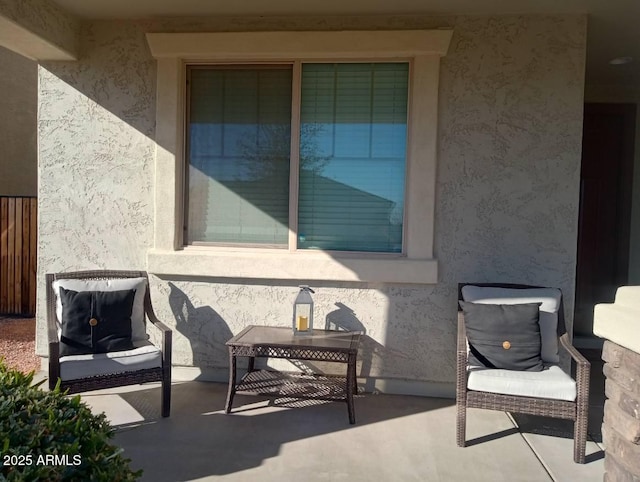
{"x": 95, "y": 321}
{"x": 503, "y": 336}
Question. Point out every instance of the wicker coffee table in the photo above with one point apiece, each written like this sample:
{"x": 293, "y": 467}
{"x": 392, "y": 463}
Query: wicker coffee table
{"x": 278, "y": 342}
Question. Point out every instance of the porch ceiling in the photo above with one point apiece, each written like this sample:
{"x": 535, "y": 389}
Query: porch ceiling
{"x": 612, "y": 30}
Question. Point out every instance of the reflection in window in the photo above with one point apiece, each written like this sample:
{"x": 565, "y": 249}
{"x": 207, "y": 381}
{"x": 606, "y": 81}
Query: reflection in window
{"x": 353, "y": 134}
{"x": 352, "y": 156}
{"x": 238, "y": 151}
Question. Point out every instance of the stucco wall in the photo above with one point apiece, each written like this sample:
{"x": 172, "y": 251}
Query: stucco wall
{"x": 18, "y": 112}
{"x": 39, "y": 29}
{"x": 510, "y": 126}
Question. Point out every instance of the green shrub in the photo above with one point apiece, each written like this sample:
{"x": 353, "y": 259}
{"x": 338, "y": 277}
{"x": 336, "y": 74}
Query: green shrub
{"x": 47, "y": 436}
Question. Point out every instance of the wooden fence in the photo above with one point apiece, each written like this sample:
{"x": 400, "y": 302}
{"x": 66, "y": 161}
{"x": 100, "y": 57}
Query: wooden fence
{"x": 18, "y": 243}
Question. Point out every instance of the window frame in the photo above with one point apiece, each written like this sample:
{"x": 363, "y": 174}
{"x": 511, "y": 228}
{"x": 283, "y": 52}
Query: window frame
{"x": 173, "y": 51}
{"x": 294, "y": 154}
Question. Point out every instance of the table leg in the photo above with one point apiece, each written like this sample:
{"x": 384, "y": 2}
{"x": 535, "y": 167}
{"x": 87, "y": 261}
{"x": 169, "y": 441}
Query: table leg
{"x": 351, "y": 388}
{"x": 232, "y": 380}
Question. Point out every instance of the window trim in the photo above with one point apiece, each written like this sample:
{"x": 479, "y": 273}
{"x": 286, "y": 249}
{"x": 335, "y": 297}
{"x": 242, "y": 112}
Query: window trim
{"x": 173, "y": 51}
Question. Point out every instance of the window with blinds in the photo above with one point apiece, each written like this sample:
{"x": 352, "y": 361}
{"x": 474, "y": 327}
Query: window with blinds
{"x": 239, "y": 136}
{"x": 351, "y": 159}
{"x": 353, "y": 137}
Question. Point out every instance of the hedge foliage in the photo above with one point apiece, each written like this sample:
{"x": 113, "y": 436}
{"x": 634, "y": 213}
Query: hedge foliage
{"x": 47, "y": 436}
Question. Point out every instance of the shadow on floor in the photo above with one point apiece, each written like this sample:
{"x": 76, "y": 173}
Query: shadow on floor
{"x": 219, "y": 443}
{"x": 267, "y": 438}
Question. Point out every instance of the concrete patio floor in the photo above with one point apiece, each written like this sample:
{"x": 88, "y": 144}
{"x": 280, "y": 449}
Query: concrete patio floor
{"x": 395, "y": 438}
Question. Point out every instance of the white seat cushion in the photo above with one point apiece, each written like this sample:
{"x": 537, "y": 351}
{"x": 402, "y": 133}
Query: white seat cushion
{"x": 138, "y": 327}
{"x": 549, "y": 297}
{"x": 551, "y": 382}
{"x": 143, "y": 356}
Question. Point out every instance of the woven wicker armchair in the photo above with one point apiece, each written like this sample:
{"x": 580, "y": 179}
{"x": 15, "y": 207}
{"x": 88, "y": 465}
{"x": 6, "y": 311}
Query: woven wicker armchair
{"x": 470, "y": 392}
{"x": 145, "y": 363}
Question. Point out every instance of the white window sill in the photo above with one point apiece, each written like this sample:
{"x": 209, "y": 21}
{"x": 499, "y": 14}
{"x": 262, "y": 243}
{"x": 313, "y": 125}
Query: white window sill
{"x": 284, "y": 265}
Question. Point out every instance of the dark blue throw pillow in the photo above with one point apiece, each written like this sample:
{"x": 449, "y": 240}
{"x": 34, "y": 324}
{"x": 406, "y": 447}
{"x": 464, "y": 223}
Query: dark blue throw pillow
{"x": 95, "y": 321}
{"x": 503, "y": 336}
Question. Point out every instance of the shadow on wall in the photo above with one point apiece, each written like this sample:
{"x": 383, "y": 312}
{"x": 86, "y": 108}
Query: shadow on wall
{"x": 203, "y": 327}
{"x": 207, "y": 332}
{"x": 345, "y": 319}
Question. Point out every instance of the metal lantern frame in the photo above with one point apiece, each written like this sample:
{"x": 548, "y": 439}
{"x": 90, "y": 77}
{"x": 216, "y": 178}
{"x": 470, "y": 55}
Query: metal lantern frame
{"x": 302, "y": 322}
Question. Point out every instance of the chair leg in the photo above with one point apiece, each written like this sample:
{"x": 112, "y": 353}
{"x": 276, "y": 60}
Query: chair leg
{"x": 461, "y": 424}
{"x": 582, "y": 412}
{"x": 166, "y": 394}
{"x": 580, "y": 434}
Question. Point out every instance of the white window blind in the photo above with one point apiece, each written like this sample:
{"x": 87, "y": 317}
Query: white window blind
{"x": 353, "y": 137}
{"x": 238, "y": 139}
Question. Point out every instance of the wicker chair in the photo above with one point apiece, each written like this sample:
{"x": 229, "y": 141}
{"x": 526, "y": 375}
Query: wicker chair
{"x": 503, "y": 399}
{"x": 145, "y": 363}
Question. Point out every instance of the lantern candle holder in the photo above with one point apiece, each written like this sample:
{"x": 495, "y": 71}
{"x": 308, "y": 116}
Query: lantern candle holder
{"x": 303, "y": 312}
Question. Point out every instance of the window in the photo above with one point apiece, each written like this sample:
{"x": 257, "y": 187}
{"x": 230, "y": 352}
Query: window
{"x": 239, "y": 136}
{"x": 328, "y": 249}
{"x": 351, "y": 155}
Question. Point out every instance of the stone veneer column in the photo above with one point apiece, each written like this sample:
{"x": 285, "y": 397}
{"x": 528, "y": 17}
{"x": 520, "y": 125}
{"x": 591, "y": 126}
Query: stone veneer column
{"x": 619, "y": 323}
{"x": 621, "y": 426}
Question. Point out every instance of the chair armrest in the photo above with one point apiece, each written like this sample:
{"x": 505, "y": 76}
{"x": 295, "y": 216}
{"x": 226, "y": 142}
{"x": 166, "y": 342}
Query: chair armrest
{"x": 151, "y": 315}
{"x": 52, "y": 330}
{"x": 461, "y": 359}
{"x": 167, "y": 339}
{"x": 583, "y": 368}
{"x": 157, "y": 323}
{"x": 54, "y": 351}
{"x": 167, "y": 334}
{"x": 462, "y": 335}
{"x": 575, "y": 354}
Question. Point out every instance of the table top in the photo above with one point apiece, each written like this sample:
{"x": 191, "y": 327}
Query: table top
{"x": 283, "y": 337}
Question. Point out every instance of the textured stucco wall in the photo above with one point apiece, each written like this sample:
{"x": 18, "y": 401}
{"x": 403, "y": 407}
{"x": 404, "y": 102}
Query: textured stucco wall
{"x": 46, "y": 21}
{"x": 18, "y": 112}
{"x": 510, "y": 126}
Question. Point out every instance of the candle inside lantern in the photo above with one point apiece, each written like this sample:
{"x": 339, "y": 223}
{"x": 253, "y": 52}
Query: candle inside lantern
{"x": 303, "y": 323}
